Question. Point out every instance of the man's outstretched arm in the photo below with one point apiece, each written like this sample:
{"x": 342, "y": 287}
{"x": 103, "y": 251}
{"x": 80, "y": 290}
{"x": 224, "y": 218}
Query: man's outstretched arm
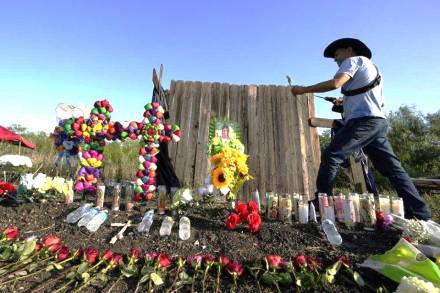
{"x": 325, "y": 86}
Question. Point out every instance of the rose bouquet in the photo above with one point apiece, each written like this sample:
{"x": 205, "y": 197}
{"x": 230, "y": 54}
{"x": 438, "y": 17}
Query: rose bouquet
{"x": 245, "y": 212}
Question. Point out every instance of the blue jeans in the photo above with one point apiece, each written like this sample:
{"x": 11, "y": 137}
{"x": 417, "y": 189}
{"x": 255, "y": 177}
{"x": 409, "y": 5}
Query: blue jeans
{"x": 370, "y": 134}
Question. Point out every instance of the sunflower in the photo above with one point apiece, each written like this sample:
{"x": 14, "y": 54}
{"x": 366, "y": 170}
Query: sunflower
{"x": 216, "y": 159}
{"x": 219, "y": 178}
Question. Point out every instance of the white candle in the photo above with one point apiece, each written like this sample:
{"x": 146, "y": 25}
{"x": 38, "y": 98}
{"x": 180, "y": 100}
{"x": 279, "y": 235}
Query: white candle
{"x": 355, "y": 197}
{"x": 385, "y": 204}
{"x": 397, "y": 206}
{"x": 100, "y": 192}
{"x": 303, "y": 211}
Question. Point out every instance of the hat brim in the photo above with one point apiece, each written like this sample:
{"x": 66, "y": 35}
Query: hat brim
{"x": 360, "y": 48}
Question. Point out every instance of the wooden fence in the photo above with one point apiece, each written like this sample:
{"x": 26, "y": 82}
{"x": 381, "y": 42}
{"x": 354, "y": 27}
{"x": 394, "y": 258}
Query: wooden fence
{"x": 283, "y": 150}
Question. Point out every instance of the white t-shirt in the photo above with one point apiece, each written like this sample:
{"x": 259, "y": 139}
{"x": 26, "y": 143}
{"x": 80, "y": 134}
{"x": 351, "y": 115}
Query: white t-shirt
{"x": 362, "y": 72}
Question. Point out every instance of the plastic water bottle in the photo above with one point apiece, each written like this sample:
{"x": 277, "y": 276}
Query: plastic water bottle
{"x": 167, "y": 225}
{"x": 330, "y": 231}
{"x": 184, "y": 228}
{"x": 77, "y": 214}
{"x": 147, "y": 220}
{"x": 312, "y": 213}
{"x": 87, "y": 216}
{"x": 94, "y": 224}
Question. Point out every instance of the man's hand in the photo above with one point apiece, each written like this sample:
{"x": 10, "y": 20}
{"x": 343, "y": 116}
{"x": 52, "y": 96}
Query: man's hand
{"x": 298, "y": 90}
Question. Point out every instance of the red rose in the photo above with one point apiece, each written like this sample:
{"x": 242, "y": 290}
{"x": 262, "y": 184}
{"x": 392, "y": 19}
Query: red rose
{"x": 79, "y": 253}
{"x": 164, "y": 260}
{"x": 55, "y": 247}
{"x": 116, "y": 260}
{"x": 51, "y": 240}
{"x": 38, "y": 246}
{"x": 313, "y": 263}
{"x": 254, "y": 222}
{"x": 232, "y": 221}
{"x": 195, "y": 260}
{"x": 11, "y": 232}
{"x": 209, "y": 259}
{"x": 91, "y": 255}
{"x": 235, "y": 268}
{"x": 107, "y": 256}
{"x": 408, "y": 238}
{"x": 274, "y": 261}
{"x": 135, "y": 253}
{"x": 63, "y": 253}
{"x": 300, "y": 261}
{"x": 252, "y": 206}
{"x": 224, "y": 260}
{"x": 151, "y": 256}
{"x": 242, "y": 210}
{"x": 344, "y": 260}
{"x": 379, "y": 218}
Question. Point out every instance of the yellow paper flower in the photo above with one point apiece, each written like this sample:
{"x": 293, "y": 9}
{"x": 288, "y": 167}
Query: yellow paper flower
{"x": 219, "y": 178}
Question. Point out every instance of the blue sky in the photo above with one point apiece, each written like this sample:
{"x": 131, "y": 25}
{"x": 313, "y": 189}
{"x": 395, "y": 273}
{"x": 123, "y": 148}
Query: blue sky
{"x": 80, "y": 51}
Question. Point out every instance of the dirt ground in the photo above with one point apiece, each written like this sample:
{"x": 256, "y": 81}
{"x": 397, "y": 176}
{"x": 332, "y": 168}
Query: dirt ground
{"x": 208, "y": 235}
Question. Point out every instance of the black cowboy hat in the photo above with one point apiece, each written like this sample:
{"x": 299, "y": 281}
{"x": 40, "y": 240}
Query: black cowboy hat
{"x": 360, "y": 48}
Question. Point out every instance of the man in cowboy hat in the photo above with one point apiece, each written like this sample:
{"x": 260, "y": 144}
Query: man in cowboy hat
{"x": 365, "y": 124}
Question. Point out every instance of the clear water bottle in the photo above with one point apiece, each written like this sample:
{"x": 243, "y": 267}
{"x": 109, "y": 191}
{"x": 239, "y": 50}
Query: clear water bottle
{"x": 94, "y": 224}
{"x": 312, "y": 213}
{"x": 77, "y": 214}
{"x": 330, "y": 231}
{"x": 167, "y": 225}
{"x": 184, "y": 228}
{"x": 145, "y": 224}
{"x": 87, "y": 216}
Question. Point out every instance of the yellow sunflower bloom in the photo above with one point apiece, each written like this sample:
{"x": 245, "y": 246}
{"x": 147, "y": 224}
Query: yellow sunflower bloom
{"x": 219, "y": 178}
{"x": 216, "y": 159}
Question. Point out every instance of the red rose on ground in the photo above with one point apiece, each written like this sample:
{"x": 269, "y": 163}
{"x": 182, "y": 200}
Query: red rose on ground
{"x": 254, "y": 222}
{"x": 224, "y": 260}
{"x": 232, "y": 221}
{"x": 116, "y": 260}
{"x": 408, "y": 238}
{"x": 38, "y": 246}
{"x": 313, "y": 263}
{"x": 209, "y": 259}
{"x": 242, "y": 210}
{"x": 107, "y": 256}
{"x": 55, "y": 247}
{"x": 79, "y": 253}
{"x": 63, "y": 253}
{"x": 135, "y": 253}
{"x": 344, "y": 260}
{"x": 91, "y": 255}
{"x": 164, "y": 260}
{"x": 252, "y": 206}
{"x": 235, "y": 268}
{"x": 51, "y": 240}
{"x": 274, "y": 261}
{"x": 300, "y": 261}
{"x": 151, "y": 256}
{"x": 11, "y": 232}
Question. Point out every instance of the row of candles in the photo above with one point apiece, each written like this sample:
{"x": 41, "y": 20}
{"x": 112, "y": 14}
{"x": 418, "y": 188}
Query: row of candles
{"x": 350, "y": 208}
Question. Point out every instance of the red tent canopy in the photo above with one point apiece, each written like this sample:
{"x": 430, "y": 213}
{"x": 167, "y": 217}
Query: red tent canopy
{"x": 10, "y": 136}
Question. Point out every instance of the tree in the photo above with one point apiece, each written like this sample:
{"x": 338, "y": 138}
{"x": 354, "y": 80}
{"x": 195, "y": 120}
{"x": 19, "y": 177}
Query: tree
{"x": 17, "y": 128}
